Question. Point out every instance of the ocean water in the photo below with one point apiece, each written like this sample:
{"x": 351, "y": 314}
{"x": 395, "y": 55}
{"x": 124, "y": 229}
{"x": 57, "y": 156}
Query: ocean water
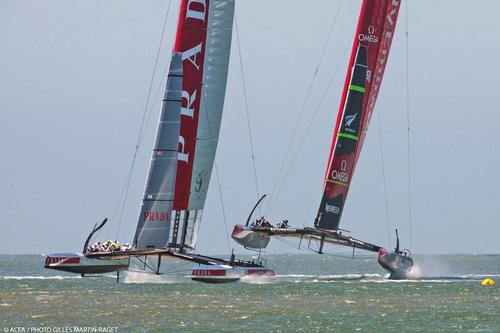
{"x": 312, "y": 293}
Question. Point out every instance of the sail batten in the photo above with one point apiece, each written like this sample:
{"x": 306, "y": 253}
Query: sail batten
{"x": 154, "y": 221}
{"x": 367, "y": 63}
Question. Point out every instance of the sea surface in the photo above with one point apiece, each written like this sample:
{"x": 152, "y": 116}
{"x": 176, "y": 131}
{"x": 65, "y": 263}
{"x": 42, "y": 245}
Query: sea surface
{"x": 312, "y": 293}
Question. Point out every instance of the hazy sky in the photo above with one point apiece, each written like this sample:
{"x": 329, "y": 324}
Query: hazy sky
{"x": 74, "y": 77}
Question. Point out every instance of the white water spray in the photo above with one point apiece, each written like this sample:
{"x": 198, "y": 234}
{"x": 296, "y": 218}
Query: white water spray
{"x": 144, "y": 277}
{"x": 430, "y": 267}
{"x": 258, "y": 279}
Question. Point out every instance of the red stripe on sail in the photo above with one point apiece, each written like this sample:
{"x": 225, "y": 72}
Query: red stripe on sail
{"x": 190, "y": 41}
{"x": 389, "y": 24}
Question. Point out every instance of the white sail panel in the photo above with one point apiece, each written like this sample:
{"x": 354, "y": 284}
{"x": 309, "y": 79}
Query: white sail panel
{"x": 192, "y": 229}
{"x": 155, "y": 216}
{"x": 218, "y": 45}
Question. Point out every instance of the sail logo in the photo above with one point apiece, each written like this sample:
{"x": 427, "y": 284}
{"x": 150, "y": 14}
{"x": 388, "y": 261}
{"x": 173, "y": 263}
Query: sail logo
{"x": 188, "y": 110}
{"x": 192, "y": 60}
{"x": 191, "y": 43}
{"x": 342, "y": 175}
{"x": 196, "y": 9}
{"x": 192, "y": 54}
{"x": 156, "y": 216}
{"x": 350, "y": 119}
{"x": 332, "y": 209}
{"x": 370, "y": 37}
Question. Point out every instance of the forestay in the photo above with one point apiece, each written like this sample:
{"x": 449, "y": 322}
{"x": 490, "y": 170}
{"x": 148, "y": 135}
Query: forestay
{"x": 366, "y": 68}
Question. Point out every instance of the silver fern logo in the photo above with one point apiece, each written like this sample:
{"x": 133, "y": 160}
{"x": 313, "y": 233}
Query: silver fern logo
{"x": 350, "y": 119}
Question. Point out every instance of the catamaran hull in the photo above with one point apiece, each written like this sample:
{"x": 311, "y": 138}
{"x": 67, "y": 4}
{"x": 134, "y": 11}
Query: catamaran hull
{"x": 227, "y": 273}
{"x": 399, "y": 265}
{"x": 79, "y": 264}
{"x": 247, "y": 237}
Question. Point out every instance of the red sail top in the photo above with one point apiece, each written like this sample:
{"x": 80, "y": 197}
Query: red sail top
{"x": 190, "y": 41}
{"x": 367, "y": 63}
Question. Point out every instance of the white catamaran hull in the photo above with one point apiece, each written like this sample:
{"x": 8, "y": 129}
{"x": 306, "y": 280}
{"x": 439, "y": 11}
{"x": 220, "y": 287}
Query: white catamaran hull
{"x": 78, "y": 263}
{"x": 227, "y": 273}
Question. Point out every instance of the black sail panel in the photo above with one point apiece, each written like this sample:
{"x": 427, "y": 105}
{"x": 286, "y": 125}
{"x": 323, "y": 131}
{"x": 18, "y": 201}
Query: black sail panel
{"x": 332, "y": 202}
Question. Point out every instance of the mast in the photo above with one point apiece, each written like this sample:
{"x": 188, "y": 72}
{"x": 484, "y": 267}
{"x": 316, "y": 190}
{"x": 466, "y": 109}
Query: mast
{"x": 369, "y": 55}
{"x": 202, "y": 46}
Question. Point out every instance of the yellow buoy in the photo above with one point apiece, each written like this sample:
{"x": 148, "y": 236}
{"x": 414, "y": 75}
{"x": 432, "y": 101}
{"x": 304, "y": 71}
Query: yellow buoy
{"x": 487, "y": 282}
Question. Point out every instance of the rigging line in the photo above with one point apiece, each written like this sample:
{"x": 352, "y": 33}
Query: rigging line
{"x": 290, "y": 243}
{"x": 115, "y": 211}
{"x": 151, "y": 108}
{"x": 141, "y": 129}
{"x": 384, "y": 180}
{"x": 334, "y": 75}
{"x": 303, "y": 107}
{"x": 408, "y": 125}
{"x": 222, "y": 205}
{"x": 155, "y": 98}
{"x": 148, "y": 99}
{"x": 219, "y": 185}
{"x": 346, "y": 255}
{"x": 246, "y": 111}
{"x": 161, "y": 84}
